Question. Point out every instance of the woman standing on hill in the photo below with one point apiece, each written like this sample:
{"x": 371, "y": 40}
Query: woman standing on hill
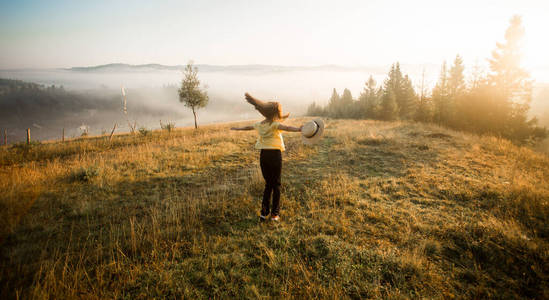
{"x": 271, "y": 145}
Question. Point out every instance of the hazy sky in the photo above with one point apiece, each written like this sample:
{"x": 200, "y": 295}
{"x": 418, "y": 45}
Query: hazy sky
{"x": 43, "y": 34}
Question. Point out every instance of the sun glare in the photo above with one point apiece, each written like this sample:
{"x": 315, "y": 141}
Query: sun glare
{"x": 535, "y": 57}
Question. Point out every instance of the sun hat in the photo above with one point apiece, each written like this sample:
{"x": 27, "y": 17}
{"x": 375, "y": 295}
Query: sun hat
{"x": 312, "y": 131}
{"x": 269, "y": 110}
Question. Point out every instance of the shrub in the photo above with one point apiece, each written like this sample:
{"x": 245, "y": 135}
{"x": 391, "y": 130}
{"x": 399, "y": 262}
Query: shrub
{"x": 23, "y": 146}
{"x": 169, "y": 126}
{"x": 85, "y": 174}
{"x": 144, "y": 131}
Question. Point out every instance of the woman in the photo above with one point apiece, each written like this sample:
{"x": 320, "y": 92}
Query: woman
{"x": 271, "y": 145}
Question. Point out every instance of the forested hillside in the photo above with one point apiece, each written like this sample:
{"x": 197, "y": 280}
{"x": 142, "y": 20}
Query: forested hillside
{"x": 494, "y": 103}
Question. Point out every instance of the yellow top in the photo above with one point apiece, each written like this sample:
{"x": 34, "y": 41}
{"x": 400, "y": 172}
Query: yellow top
{"x": 269, "y": 136}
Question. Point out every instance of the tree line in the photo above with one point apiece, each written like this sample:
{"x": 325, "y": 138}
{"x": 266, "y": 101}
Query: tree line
{"x": 495, "y": 103}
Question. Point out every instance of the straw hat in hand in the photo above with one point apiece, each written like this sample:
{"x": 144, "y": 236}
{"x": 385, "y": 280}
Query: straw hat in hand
{"x": 312, "y": 131}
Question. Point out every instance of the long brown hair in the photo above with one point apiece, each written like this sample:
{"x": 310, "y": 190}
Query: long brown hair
{"x": 270, "y": 110}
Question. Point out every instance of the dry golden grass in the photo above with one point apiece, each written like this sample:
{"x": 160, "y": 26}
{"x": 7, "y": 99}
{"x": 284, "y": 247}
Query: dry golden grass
{"x": 391, "y": 210}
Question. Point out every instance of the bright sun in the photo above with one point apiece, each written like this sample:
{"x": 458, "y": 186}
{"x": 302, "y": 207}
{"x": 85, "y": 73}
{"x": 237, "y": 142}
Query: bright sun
{"x": 536, "y": 51}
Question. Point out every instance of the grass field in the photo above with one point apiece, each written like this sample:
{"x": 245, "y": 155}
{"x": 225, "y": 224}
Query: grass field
{"x": 376, "y": 210}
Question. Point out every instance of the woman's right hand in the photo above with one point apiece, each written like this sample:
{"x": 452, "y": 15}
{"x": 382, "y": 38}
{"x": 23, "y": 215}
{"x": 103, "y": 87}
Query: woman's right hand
{"x": 248, "y": 96}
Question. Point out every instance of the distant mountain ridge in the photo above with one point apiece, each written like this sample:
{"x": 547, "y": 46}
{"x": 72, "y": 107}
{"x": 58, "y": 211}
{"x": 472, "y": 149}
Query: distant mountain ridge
{"x": 121, "y": 67}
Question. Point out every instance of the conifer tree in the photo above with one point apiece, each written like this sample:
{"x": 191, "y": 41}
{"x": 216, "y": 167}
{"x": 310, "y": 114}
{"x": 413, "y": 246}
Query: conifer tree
{"x": 346, "y": 105}
{"x": 456, "y": 92}
{"x": 315, "y": 110}
{"x": 456, "y": 79}
{"x": 477, "y": 77}
{"x": 392, "y": 90}
{"x": 441, "y": 113}
{"x": 423, "y": 111}
{"x": 389, "y": 108}
{"x": 368, "y": 100}
{"x": 513, "y": 86}
{"x": 333, "y": 107}
{"x": 506, "y": 73}
{"x": 402, "y": 90}
{"x": 408, "y": 99}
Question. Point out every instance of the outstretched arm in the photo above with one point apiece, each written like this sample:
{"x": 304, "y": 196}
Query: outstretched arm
{"x": 289, "y": 128}
{"x": 243, "y": 128}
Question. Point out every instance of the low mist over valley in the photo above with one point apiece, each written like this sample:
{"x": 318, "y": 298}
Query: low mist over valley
{"x": 89, "y": 99}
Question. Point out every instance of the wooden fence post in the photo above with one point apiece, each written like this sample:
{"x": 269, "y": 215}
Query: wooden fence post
{"x": 5, "y": 137}
{"x": 63, "y": 140}
{"x": 112, "y": 132}
{"x": 28, "y": 136}
{"x": 132, "y": 127}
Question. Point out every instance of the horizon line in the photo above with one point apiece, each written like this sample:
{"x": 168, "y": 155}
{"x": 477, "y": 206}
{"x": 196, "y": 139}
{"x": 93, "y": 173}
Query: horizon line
{"x": 221, "y": 65}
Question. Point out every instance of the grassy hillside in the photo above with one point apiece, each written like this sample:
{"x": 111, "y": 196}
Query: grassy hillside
{"x": 393, "y": 210}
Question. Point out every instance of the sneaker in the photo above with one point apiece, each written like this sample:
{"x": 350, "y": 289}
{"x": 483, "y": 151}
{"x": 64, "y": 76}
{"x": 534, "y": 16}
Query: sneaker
{"x": 262, "y": 218}
{"x": 275, "y": 218}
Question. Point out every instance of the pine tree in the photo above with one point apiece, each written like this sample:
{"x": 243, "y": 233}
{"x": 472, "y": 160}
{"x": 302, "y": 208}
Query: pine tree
{"x": 456, "y": 79}
{"x": 334, "y": 98}
{"x": 442, "y": 109}
{"x": 506, "y": 72}
{"x": 402, "y": 90}
{"x": 408, "y": 99}
{"x": 513, "y": 87}
{"x": 456, "y": 91}
{"x": 423, "y": 111}
{"x": 475, "y": 108}
{"x": 477, "y": 77}
{"x": 368, "y": 100}
{"x": 392, "y": 90}
{"x": 389, "y": 108}
{"x": 315, "y": 110}
{"x": 346, "y": 105}
{"x": 333, "y": 107}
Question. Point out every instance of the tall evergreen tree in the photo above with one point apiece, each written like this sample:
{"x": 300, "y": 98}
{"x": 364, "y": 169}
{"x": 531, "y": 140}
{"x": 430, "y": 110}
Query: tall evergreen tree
{"x": 456, "y": 79}
{"x": 506, "y": 73}
{"x": 513, "y": 86}
{"x": 333, "y": 107}
{"x": 407, "y": 100}
{"x": 315, "y": 110}
{"x": 456, "y": 92}
{"x": 402, "y": 90}
{"x": 423, "y": 111}
{"x": 392, "y": 89}
{"x": 477, "y": 77}
{"x": 441, "y": 101}
{"x": 334, "y": 98}
{"x": 394, "y": 80}
{"x": 346, "y": 97}
{"x": 389, "y": 107}
{"x": 368, "y": 100}
{"x": 347, "y": 105}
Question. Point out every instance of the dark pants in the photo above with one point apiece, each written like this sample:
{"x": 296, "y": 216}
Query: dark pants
{"x": 271, "y": 167}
